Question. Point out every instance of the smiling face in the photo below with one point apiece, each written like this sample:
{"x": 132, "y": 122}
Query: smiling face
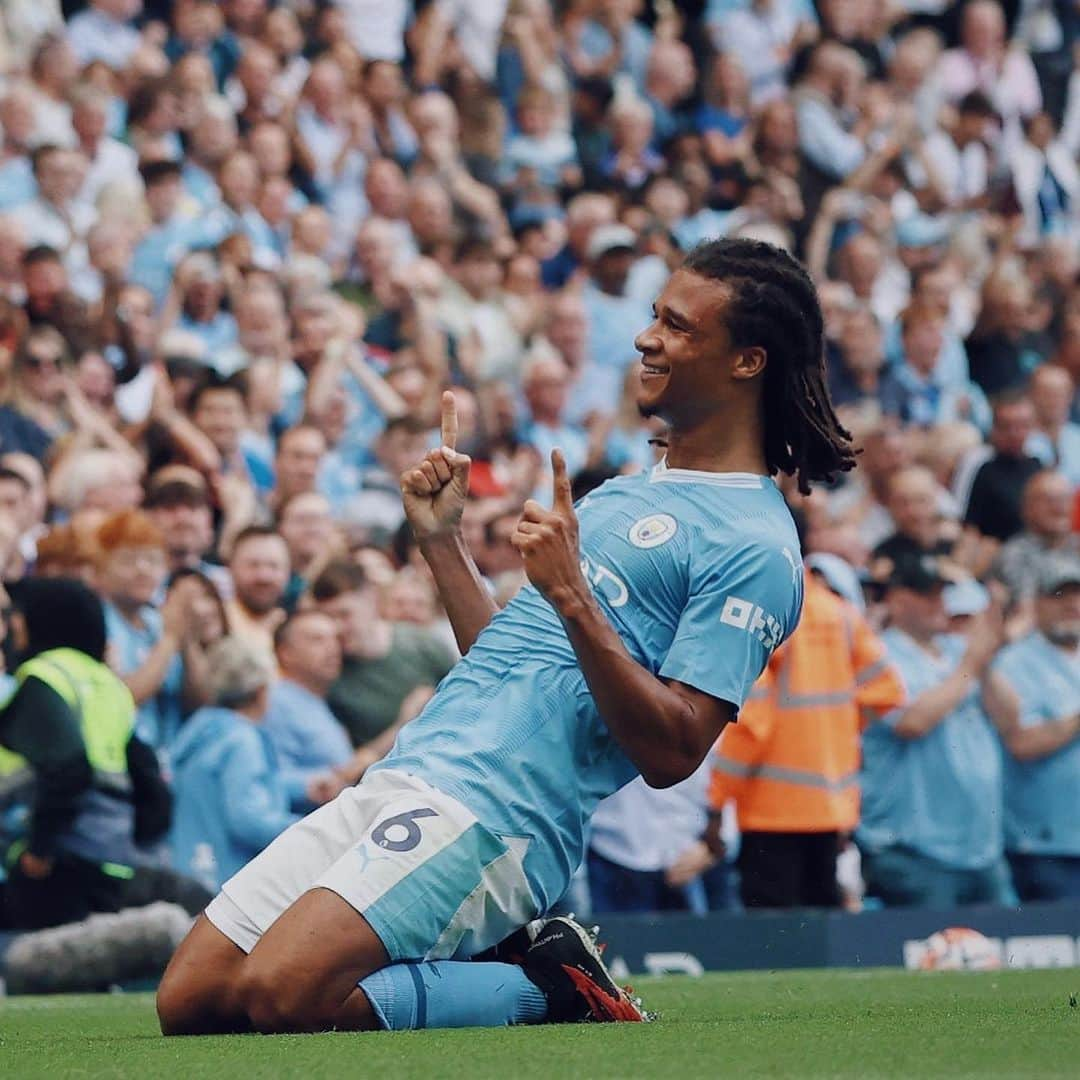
{"x": 687, "y": 356}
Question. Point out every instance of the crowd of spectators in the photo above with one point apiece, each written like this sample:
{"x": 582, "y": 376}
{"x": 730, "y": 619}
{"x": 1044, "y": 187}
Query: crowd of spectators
{"x": 246, "y": 245}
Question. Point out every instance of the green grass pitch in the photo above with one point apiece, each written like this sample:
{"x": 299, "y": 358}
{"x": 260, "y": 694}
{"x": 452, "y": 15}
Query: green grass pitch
{"x": 784, "y": 1024}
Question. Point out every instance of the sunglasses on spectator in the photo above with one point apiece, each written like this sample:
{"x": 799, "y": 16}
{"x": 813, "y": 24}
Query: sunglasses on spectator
{"x": 36, "y": 362}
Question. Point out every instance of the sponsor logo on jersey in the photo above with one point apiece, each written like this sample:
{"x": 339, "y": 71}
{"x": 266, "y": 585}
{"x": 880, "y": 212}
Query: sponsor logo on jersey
{"x": 744, "y": 615}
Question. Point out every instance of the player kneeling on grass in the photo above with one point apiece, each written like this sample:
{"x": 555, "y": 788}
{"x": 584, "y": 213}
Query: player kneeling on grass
{"x": 645, "y": 625}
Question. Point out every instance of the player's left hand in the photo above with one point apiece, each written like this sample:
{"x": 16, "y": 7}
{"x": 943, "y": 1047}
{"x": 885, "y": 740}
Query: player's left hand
{"x": 547, "y": 541}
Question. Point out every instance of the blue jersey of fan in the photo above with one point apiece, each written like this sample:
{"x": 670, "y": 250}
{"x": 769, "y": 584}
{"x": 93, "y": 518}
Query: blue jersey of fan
{"x": 700, "y": 575}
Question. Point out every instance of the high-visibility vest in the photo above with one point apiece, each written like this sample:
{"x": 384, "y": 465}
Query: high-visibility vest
{"x": 791, "y": 762}
{"x": 103, "y": 704}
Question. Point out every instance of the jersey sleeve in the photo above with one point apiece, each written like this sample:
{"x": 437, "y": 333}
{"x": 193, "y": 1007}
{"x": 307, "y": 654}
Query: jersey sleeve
{"x": 741, "y": 605}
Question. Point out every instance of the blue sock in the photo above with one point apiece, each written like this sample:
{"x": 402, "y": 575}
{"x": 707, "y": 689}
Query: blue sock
{"x": 451, "y": 993}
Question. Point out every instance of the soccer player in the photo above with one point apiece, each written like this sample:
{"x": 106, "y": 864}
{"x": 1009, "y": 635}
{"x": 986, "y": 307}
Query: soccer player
{"x": 654, "y": 605}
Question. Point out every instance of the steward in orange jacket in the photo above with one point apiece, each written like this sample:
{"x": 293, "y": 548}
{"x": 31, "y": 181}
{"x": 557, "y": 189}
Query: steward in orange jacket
{"x": 791, "y": 763}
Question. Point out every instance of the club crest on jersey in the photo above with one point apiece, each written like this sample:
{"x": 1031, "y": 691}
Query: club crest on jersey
{"x": 652, "y": 531}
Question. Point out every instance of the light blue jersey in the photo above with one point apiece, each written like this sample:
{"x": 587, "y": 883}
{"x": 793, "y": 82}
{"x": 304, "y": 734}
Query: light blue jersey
{"x": 939, "y": 795}
{"x": 698, "y": 572}
{"x": 1042, "y": 797}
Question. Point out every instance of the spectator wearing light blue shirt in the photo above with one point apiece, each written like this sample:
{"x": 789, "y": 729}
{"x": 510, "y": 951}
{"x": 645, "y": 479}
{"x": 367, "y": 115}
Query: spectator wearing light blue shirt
{"x": 104, "y": 32}
{"x": 546, "y": 385}
{"x": 17, "y": 183}
{"x": 764, "y": 35}
{"x": 18, "y": 121}
{"x": 147, "y": 645}
{"x": 824, "y": 137}
{"x": 171, "y": 234}
{"x": 538, "y": 152}
{"x": 238, "y": 182}
{"x": 614, "y": 314}
{"x": 917, "y": 390}
{"x": 620, "y": 35}
{"x": 201, "y": 292}
{"x": 1056, "y": 439}
{"x": 1042, "y": 759}
{"x": 230, "y": 801}
{"x": 931, "y": 832}
{"x": 311, "y": 745}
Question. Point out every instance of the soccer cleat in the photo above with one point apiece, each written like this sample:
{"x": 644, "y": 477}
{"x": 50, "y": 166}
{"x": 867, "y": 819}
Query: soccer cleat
{"x": 565, "y": 963}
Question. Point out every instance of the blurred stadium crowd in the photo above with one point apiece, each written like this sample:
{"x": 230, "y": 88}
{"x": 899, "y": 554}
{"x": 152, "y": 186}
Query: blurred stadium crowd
{"x": 244, "y": 247}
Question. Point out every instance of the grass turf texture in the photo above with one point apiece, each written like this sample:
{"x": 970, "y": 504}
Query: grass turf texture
{"x": 805, "y": 1024}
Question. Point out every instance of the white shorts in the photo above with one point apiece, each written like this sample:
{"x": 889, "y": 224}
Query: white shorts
{"x": 432, "y": 882}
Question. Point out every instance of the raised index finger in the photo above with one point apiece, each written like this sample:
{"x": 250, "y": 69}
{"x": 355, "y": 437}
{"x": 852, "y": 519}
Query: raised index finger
{"x": 449, "y": 420}
{"x": 563, "y": 497}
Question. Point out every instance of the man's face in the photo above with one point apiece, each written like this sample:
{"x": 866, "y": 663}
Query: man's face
{"x": 922, "y": 344}
{"x": 568, "y": 329}
{"x": 1058, "y": 615}
{"x": 58, "y": 176}
{"x": 260, "y": 572}
{"x": 612, "y": 269}
{"x": 386, "y": 188}
{"x": 400, "y": 449}
{"x": 261, "y": 324}
{"x": 546, "y": 389}
{"x": 312, "y": 649}
{"x": 239, "y": 180}
{"x": 861, "y": 342}
{"x": 138, "y": 306}
{"x": 353, "y": 613}
{"x": 913, "y": 502}
{"x": 163, "y": 197}
{"x": 220, "y": 415}
{"x": 110, "y": 250}
{"x": 270, "y": 145}
{"x": 44, "y": 281}
{"x": 188, "y": 530}
{"x": 971, "y": 127}
{"x": 935, "y": 289}
{"x": 1051, "y": 396}
{"x": 43, "y": 372}
{"x": 89, "y": 121}
{"x": 383, "y": 84}
{"x": 921, "y": 614}
{"x": 298, "y": 458}
{"x": 862, "y": 263}
{"x": 116, "y": 488}
{"x": 131, "y": 576}
{"x": 306, "y": 525}
{"x": 686, "y": 352}
{"x": 430, "y": 215}
{"x": 1048, "y": 506}
{"x": 479, "y": 274}
{"x": 1011, "y": 428}
{"x": 315, "y": 326}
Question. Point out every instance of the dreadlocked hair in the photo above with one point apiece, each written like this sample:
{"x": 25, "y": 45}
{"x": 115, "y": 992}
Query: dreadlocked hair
{"x": 774, "y": 305}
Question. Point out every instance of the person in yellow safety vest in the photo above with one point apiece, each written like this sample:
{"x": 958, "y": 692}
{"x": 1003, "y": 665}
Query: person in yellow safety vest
{"x": 94, "y": 791}
{"x": 791, "y": 762}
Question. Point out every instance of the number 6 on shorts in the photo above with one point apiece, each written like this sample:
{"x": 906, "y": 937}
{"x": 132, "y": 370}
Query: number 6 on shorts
{"x": 380, "y": 834}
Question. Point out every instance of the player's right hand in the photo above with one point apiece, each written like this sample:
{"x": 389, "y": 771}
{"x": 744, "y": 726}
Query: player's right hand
{"x": 435, "y": 490}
